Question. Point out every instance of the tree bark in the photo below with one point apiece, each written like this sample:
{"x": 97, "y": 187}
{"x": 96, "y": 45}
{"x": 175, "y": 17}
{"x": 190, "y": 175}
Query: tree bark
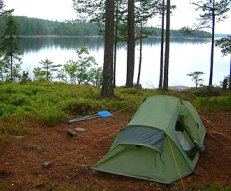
{"x": 141, "y": 49}
{"x": 212, "y": 46}
{"x": 115, "y": 44}
{"x": 230, "y": 74}
{"x": 162, "y": 47}
{"x": 130, "y": 44}
{"x": 167, "y": 47}
{"x": 11, "y": 55}
{"x": 107, "y": 85}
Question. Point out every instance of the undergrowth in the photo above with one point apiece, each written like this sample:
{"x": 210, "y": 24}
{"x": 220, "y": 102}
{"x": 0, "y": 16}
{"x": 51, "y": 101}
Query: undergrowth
{"x": 50, "y": 103}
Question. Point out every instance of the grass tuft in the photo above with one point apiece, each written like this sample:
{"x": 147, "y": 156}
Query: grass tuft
{"x": 8, "y": 131}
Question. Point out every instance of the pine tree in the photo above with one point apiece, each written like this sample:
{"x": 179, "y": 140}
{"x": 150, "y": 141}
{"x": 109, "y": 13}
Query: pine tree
{"x": 11, "y": 52}
{"x": 3, "y": 11}
{"x": 225, "y": 45}
{"x": 162, "y": 45}
{"x": 212, "y": 13}
{"x": 130, "y": 44}
{"x": 46, "y": 71}
{"x": 167, "y": 46}
{"x": 107, "y": 84}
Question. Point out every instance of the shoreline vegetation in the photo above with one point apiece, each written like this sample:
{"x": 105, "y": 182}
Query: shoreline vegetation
{"x": 39, "y": 28}
{"x": 58, "y": 36}
{"x": 98, "y": 36}
{"x": 51, "y": 103}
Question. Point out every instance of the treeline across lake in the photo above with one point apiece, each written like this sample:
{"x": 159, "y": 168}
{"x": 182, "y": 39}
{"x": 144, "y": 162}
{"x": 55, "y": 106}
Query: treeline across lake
{"x": 40, "y": 27}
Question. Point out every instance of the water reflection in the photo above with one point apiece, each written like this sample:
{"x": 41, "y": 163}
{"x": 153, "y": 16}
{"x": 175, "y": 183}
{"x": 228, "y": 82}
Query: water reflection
{"x": 35, "y": 44}
{"x": 186, "y": 55}
{"x": 181, "y": 40}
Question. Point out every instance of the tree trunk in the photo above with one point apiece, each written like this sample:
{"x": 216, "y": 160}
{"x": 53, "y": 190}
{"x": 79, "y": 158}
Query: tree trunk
{"x": 11, "y": 55}
{"x": 140, "y": 60}
{"x": 130, "y": 44}
{"x": 115, "y": 44}
{"x": 167, "y": 47}
{"x": 114, "y": 68}
{"x": 212, "y": 46}
{"x": 162, "y": 46}
{"x": 107, "y": 85}
{"x": 230, "y": 74}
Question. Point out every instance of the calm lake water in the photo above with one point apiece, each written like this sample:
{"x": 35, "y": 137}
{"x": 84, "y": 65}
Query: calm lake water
{"x": 186, "y": 56}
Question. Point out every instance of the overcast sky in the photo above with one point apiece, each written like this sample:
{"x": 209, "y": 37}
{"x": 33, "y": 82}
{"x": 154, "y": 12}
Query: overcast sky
{"x": 62, "y": 10}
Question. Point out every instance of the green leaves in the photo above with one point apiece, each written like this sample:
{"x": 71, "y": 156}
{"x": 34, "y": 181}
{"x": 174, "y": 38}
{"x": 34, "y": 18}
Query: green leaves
{"x": 208, "y": 9}
{"x": 225, "y": 45}
{"x": 195, "y": 77}
{"x": 11, "y": 60}
{"x": 46, "y": 71}
{"x": 82, "y": 71}
{"x": 3, "y": 11}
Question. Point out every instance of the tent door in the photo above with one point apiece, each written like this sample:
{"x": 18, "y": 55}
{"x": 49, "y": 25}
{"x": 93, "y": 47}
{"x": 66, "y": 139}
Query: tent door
{"x": 184, "y": 139}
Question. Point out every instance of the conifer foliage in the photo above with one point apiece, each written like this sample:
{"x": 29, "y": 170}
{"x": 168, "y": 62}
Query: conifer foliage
{"x": 11, "y": 57}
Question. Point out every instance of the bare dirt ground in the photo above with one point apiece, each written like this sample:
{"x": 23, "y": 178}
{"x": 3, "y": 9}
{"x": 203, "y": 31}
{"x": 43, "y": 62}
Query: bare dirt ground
{"x": 71, "y": 158}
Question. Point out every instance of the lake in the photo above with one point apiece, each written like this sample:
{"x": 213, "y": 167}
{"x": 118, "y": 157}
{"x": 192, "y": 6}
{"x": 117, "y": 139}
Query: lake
{"x": 186, "y": 56}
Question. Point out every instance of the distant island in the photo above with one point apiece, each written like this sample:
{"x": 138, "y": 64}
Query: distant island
{"x": 34, "y": 27}
{"x": 221, "y": 35}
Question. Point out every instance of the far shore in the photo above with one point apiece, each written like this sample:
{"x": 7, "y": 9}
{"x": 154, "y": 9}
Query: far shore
{"x": 56, "y": 36}
{"x": 98, "y": 36}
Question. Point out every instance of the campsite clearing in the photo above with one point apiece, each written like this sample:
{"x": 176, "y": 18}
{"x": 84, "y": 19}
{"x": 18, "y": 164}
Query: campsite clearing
{"x": 71, "y": 158}
{"x": 162, "y": 142}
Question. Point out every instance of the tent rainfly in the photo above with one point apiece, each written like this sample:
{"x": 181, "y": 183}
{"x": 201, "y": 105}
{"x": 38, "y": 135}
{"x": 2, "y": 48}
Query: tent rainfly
{"x": 161, "y": 143}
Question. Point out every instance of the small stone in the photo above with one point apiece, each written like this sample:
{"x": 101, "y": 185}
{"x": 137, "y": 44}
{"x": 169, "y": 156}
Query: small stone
{"x": 46, "y": 164}
{"x": 19, "y": 137}
{"x": 71, "y": 132}
{"x": 80, "y": 129}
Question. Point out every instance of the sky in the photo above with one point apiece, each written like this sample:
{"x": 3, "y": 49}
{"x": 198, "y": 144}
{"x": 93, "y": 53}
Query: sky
{"x": 62, "y": 10}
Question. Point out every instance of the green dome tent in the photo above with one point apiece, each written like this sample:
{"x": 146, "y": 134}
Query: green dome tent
{"x": 162, "y": 142}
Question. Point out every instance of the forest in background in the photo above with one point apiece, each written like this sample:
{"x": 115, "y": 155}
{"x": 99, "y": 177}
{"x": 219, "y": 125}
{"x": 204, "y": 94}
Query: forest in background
{"x": 36, "y": 27}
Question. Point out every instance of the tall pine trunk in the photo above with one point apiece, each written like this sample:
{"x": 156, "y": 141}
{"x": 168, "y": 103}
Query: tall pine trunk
{"x": 167, "y": 47}
{"x": 107, "y": 85}
{"x": 115, "y": 60}
{"x": 230, "y": 74}
{"x": 130, "y": 44}
{"x": 11, "y": 55}
{"x": 141, "y": 49}
{"x": 115, "y": 44}
{"x": 212, "y": 46}
{"x": 162, "y": 46}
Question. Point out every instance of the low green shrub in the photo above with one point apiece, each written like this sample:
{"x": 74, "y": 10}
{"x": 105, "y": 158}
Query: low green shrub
{"x": 207, "y": 91}
{"x": 50, "y": 116}
{"x": 81, "y": 106}
{"x": 213, "y": 104}
{"x": 6, "y": 110}
{"x": 51, "y": 102}
{"x": 18, "y": 99}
